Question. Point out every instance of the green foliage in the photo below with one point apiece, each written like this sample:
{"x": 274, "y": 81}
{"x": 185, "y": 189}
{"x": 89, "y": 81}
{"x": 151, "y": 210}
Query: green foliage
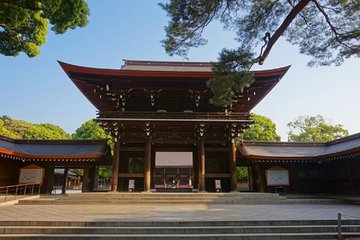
{"x": 263, "y": 129}
{"x": 45, "y": 131}
{"x": 14, "y": 128}
{"x": 326, "y": 30}
{"x": 78, "y": 171}
{"x": 231, "y": 76}
{"x": 314, "y": 129}
{"x": 105, "y": 171}
{"x": 242, "y": 173}
{"x": 5, "y": 132}
{"x": 91, "y": 130}
{"x": 24, "y": 24}
{"x": 17, "y": 128}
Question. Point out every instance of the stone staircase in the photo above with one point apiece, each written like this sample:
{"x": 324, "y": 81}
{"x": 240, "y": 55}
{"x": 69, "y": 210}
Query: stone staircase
{"x": 249, "y": 230}
{"x": 170, "y": 198}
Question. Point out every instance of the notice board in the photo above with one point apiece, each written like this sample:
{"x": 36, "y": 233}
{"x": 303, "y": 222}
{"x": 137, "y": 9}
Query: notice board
{"x": 31, "y": 174}
{"x": 277, "y": 176}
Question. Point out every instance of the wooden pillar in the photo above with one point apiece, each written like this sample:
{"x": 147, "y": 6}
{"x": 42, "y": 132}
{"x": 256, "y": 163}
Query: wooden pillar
{"x": 147, "y": 168}
{"x": 64, "y": 183}
{"x": 201, "y": 165}
{"x": 115, "y": 167}
{"x": 95, "y": 178}
{"x": 85, "y": 185}
{"x": 250, "y": 179}
{"x": 254, "y": 178}
{"x": 260, "y": 179}
{"x": 350, "y": 179}
{"x": 232, "y": 166}
{"x": 294, "y": 176}
{"x": 49, "y": 179}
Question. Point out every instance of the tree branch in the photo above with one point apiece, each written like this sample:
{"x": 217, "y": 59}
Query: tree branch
{"x": 200, "y": 28}
{"x": 285, "y": 24}
{"x": 328, "y": 21}
{"x": 301, "y": 15}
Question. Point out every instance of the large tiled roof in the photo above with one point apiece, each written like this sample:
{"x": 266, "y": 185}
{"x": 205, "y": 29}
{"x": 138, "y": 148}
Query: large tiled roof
{"x": 296, "y": 150}
{"x": 167, "y": 66}
{"x": 102, "y": 87}
{"x": 53, "y": 149}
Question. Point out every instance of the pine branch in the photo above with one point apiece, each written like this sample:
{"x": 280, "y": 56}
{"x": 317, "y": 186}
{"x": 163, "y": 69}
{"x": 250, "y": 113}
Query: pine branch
{"x": 200, "y": 28}
{"x": 301, "y": 15}
{"x": 285, "y": 24}
{"x": 332, "y": 27}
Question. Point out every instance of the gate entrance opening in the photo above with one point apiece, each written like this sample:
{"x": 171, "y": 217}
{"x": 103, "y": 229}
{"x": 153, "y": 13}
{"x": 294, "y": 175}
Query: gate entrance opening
{"x": 174, "y": 171}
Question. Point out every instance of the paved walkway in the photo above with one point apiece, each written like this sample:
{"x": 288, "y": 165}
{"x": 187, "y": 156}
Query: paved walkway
{"x": 176, "y": 212}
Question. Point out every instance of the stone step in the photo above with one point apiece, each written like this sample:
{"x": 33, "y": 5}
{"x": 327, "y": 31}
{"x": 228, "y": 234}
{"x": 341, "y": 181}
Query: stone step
{"x": 346, "y": 222}
{"x": 273, "y": 236}
{"x": 143, "y": 201}
{"x": 169, "y": 198}
{"x": 170, "y": 195}
{"x": 271, "y": 230}
{"x": 106, "y": 230}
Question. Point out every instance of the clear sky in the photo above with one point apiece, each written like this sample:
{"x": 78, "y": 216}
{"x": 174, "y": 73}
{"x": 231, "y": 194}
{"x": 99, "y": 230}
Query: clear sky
{"x": 37, "y": 90}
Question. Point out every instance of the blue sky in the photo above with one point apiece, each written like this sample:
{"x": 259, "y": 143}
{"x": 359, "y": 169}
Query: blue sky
{"x": 37, "y": 90}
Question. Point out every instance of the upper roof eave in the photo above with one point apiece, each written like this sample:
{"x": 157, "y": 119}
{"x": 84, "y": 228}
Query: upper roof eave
{"x": 68, "y": 68}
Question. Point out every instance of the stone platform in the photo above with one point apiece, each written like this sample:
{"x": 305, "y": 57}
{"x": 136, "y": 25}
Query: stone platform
{"x": 175, "y": 220}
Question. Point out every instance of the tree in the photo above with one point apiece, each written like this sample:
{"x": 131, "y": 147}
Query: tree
{"x": 24, "y": 23}
{"x": 17, "y": 128}
{"x": 45, "y": 131}
{"x": 314, "y": 129}
{"x": 91, "y": 130}
{"x": 5, "y": 132}
{"x": 263, "y": 129}
{"x": 14, "y": 128}
{"x": 326, "y": 30}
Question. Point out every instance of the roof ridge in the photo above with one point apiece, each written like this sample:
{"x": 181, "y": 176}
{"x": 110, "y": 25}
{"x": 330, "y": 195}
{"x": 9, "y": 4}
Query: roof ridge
{"x": 128, "y": 62}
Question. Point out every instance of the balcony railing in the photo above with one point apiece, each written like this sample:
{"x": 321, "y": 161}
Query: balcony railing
{"x": 13, "y": 192}
{"x": 162, "y": 115}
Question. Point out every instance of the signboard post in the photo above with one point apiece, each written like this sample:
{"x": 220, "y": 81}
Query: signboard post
{"x": 31, "y": 174}
{"x": 277, "y": 177}
{"x": 218, "y": 185}
{"x": 131, "y": 187}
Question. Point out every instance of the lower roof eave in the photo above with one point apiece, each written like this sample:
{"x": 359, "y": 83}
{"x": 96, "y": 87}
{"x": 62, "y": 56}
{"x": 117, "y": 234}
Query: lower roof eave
{"x": 25, "y": 157}
{"x": 300, "y": 159}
